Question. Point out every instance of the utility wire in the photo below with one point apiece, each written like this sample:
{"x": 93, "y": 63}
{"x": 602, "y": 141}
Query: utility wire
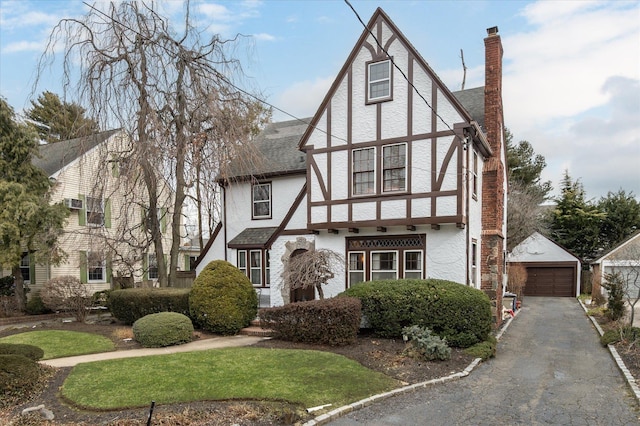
{"x": 219, "y": 75}
{"x": 396, "y": 66}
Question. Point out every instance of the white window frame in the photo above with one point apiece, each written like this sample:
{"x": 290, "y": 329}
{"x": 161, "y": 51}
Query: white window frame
{"x": 242, "y": 261}
{"x": 371, "y": 82}
{"x": 25, "y": 264}
{"x": 255, "y": 268}
{"x": 385, "y": 168}
{"x": 267, "y": 269}
{"x": 150, "y": 263}
{"x": 474, "y": 176}
{"x": 256, "y": 202}
{"x": 374, "y": 271}
{"x": 90, "y": 213}
{"x": 420, "y": 264}
{"x": 91, "y": 255}
{"x": 354, "y": 172}
{"x": 362, "y": 272}
{"x": 474, "y": 262}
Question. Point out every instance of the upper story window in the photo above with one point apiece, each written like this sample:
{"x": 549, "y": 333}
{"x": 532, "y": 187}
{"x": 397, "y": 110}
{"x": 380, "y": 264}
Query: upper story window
{"x": 474, "y": 175}
{"x": 364, "y": 171}
{"x": 394, "y": 167}
{"x": 95, "y": 211}
{"x": 25, "y": 267}
{"x": 261, "y": 200}
{"x": 379, "y": 81}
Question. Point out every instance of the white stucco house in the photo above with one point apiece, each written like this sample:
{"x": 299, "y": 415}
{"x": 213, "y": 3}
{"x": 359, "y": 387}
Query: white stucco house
{"x": 395, "y": 172}
{"x": 551, "y": 269}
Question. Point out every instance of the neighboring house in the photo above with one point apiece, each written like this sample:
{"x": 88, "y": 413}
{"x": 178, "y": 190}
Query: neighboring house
{"x": 402, "y": 182}
{"x": 551, "y": 269}
{"x": 623, "y": 259}
{"x": 102, "y": 204}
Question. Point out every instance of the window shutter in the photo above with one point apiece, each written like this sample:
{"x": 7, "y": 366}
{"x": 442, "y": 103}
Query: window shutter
{"x": 32, "y": 270}
{"x": 109, "y": 267}
{"x": 82, "y": 214}
{"x": 187, "y": 262}
{"x": 83, "y": 267}
{"x": 163, "y": 220}
{"x": 145, "y": 267}
{"x": 107, "y": 213}
{"x": 115, "y": 167}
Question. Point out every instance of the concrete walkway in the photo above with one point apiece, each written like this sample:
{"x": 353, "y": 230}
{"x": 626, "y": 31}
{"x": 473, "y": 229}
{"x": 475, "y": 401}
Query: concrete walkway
{"x": 550, "y": 370}
{"x": 198, "y": 345}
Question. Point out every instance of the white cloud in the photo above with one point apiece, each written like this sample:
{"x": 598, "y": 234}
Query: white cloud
{"x": 302, "y": 98}
{"x": 23, "y": 46}
{"x": 264, "y": 37}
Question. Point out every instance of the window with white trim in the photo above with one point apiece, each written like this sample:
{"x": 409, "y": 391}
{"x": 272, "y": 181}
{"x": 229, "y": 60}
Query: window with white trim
{"x": 364, "y": 175}
{"x": 152, "y": 266}
{"x": 379, "y": 81}
{"x": 356, "y": 267}
{"x": 261, "y": 200}
{"x": 384, "y": 265}
{"x": 474, "y": 175}
{"x": 474, "y": 261}
{"x": 25, "y": 267}
{"x": 413, "y": 264}
{"x": 95, "y": 211}
{"x": 256, "y": 265}
{"x": 96, "y": 267}
{"x": 394, "y": 165}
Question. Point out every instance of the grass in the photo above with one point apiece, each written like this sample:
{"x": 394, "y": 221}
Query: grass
{"x": 309, "y": 378}
{"x": 60, "y": 343}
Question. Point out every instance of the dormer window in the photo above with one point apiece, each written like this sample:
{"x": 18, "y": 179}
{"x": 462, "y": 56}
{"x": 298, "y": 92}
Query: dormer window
{"x": 379, "y": 81}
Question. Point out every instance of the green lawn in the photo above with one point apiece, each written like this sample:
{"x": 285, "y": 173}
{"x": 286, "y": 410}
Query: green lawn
{"x": 60, "y": 343}
{"x": 309, "y": 378}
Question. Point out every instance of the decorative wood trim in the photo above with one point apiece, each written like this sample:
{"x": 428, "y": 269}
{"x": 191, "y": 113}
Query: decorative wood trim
{"x": 288, "y": 216}
{"x": 390, "y": 222}
{"x": 207, "y": 246}
{"x": 386, "y": 197}
{"x": 411, "y": 227}
{"x": 354, "y": 230}
{"x": 320, "y": 177}
{"x": 381, "y": 229}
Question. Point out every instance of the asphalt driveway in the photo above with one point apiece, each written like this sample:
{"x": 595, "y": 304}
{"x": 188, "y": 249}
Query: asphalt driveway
{"x": 550, "y": 370}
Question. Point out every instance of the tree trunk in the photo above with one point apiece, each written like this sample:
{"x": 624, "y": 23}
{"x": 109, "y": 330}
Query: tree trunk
{"x": 21, "y": 299}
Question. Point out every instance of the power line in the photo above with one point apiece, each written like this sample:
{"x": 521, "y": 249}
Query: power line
{"x": 396, "y": 66}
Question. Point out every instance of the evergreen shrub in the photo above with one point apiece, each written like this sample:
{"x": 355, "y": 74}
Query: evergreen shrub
{"x": 483, "y": 350}
{"x": 18, "y": 374}
{"x": 453, "y": 311}
{"x": 163, "y": 329}
{"x": 421, "y": 344}
{"x": 28, "y": 351}
{"x": 222, "y": 299}
{"x": 333, "y": 321}
{"x": 129, "y": 305}
{"x": 35, "y": 305}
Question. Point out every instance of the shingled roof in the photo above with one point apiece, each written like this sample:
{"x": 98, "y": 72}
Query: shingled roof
{"x": 473, "y": 101}
{"x": 277, "y": 146}
{"x": 54, "y": 156}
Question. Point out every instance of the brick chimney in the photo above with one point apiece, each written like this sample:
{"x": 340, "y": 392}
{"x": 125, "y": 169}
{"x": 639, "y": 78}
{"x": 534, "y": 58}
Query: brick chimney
{"x": 494, "y": 177}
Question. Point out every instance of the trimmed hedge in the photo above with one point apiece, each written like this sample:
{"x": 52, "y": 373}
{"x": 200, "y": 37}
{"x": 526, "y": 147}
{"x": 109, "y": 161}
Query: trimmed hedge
{"x": 163, "y": 329}
{"x": 129, "y": 305}
{"x": 28, "y": 351}
{"x": 331, "y": 321}
{"x": 453, "y": 311}
{"x": 222, "y": 299}
{"x": 17, "y": 374}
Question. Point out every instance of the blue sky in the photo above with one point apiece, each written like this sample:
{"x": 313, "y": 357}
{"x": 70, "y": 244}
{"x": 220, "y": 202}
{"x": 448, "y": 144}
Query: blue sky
{"x": 571, "y": 68}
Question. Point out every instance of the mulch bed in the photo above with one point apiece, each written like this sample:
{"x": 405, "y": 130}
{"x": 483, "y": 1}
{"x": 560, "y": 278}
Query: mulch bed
{"x": 383, "y": 355}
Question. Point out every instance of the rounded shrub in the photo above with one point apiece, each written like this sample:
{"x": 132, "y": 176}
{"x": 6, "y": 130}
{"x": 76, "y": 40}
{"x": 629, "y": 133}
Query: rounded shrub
{"x": 455, "y": 312}
{"x": 28, "y": 351}
{"x": 17, "y": 374}
{"x": 35, "y": 305}
{"x": 163, "y": 329}
{"x": 222, "y": 299}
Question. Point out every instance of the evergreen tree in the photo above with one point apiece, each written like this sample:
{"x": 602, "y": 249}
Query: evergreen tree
{"x": 28, "y": 223}
{"x": 622, "y": 217}
{"x": 575, "y": 222}
{"x": 58, "y": 121}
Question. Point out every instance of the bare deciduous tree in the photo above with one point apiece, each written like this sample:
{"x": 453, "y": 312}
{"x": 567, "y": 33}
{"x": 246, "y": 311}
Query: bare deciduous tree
{"x": 525, "y": 213}
{"x": 312, "y": 268}
{"x": 174, "y": 97}
{"x": 626, "y": 269}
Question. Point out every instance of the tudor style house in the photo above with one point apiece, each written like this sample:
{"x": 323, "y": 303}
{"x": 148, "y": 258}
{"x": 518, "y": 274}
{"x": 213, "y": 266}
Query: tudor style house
{"x": 399, "y": 175}
{"x": 104, "y": 207}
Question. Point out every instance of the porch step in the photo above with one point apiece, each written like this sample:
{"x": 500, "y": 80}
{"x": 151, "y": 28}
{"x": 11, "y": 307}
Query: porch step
{"x": 256, "y": 331}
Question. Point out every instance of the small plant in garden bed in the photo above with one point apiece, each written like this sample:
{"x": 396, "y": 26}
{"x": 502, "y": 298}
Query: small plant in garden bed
{"x": 422, "y": 344}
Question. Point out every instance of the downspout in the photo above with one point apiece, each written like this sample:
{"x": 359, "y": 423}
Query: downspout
{"x": 224, "y": 219}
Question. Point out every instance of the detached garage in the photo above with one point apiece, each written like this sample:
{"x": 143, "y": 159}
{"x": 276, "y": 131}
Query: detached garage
{"x": 551, "y": 270}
